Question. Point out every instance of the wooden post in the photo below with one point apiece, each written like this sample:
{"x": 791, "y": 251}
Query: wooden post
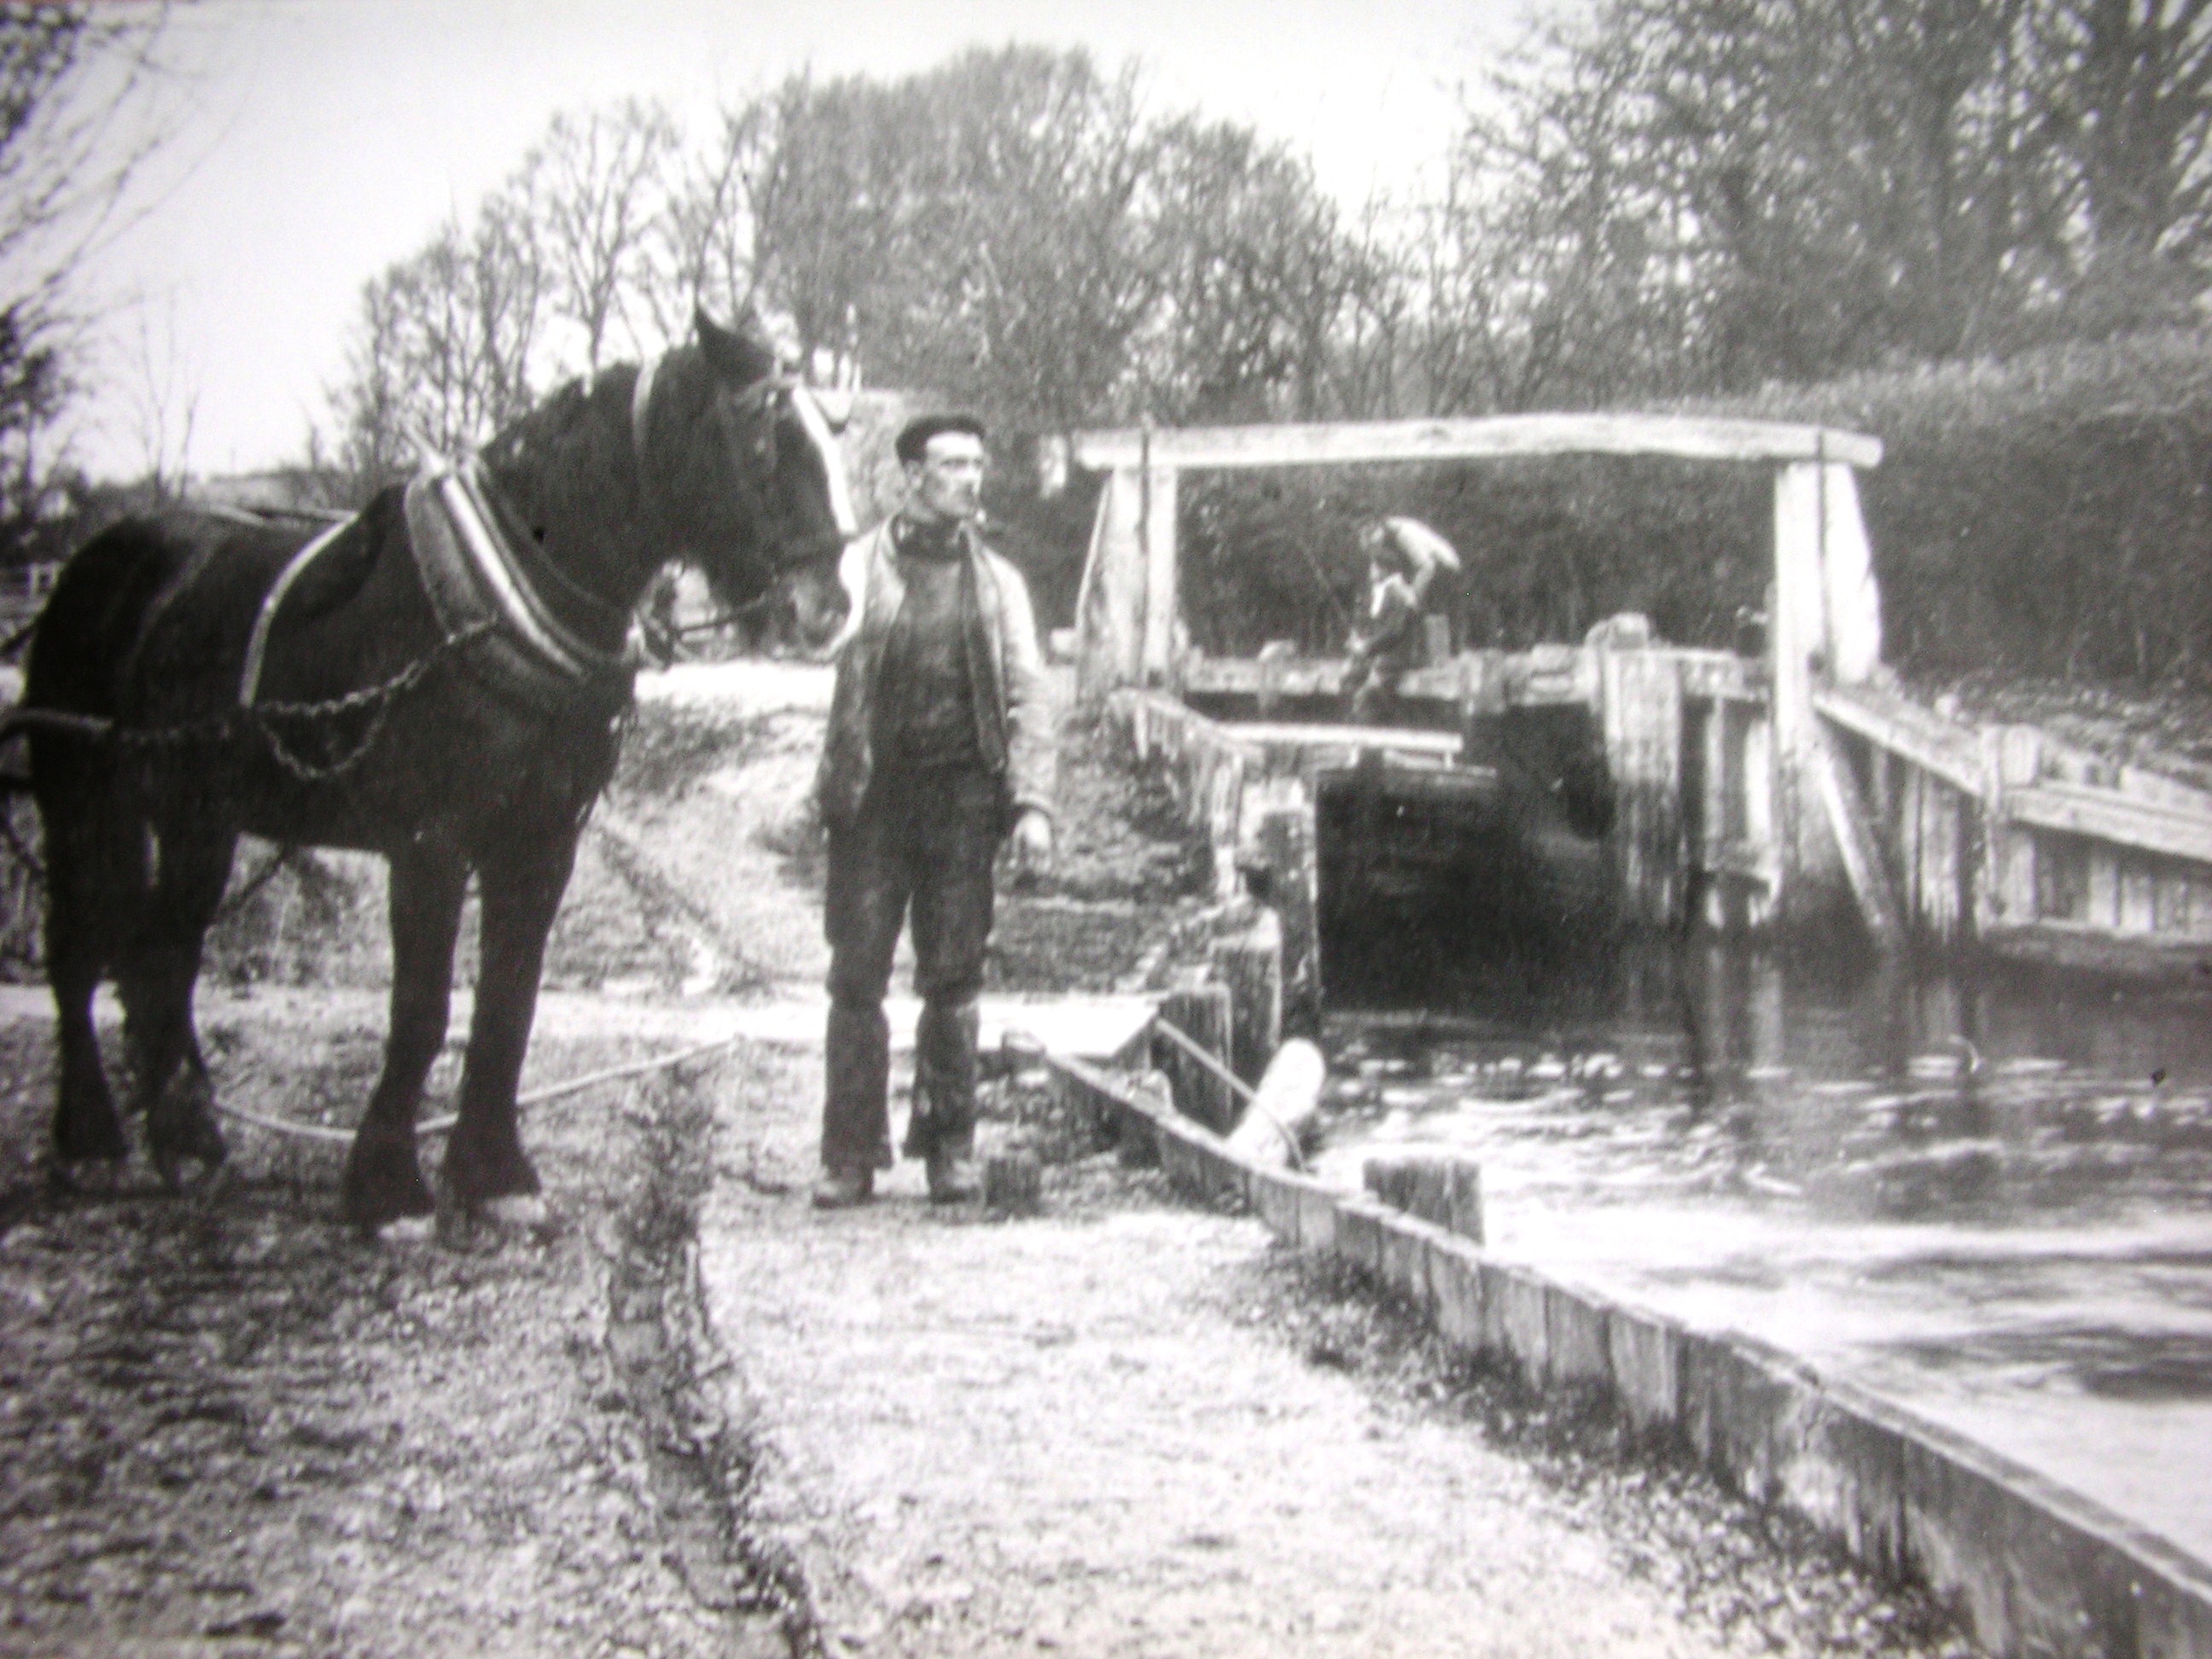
{"x": 1201, "y": 1013}
{"x": 1855, "y": 839}
{"x": 1155, "y": 664}
{"x": 1640, "y": 703}
{"x": 1436, "y": 636}
{"x": 2005, "y": 895}
{"x": 1723, "y": 808}
{"x": 1755, "y": 791}
{"x": 1810, "y": 869}
{"x": 1286, "y": 842}
{"x": 1852, "y": 601}
{"x": 1442, "y": 1185}
{"x": 1250, "y": 964}
{"x": 1109, "y": 609}
{"x": 1013, "y": 1185}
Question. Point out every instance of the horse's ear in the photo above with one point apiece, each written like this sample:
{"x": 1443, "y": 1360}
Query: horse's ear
{"x": 739, "y": 355}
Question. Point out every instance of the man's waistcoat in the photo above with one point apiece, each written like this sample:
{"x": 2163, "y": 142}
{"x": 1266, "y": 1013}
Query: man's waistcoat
{"x": 1014, "y": 722}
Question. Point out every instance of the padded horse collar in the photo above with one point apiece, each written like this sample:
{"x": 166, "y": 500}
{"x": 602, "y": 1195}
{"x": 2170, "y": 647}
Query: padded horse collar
{"x": 472, "y": 578}
{"x": 476, "y": 585}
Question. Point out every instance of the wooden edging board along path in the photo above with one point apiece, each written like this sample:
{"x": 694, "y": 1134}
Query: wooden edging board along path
{"x": 2029, "y": 1567}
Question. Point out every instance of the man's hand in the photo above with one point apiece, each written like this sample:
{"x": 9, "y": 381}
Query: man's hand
{"x": 1032, "y": 844}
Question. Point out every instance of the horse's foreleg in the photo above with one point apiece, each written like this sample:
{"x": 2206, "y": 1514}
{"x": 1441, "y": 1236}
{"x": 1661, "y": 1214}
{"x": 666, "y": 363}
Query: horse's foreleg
{"x": 95, "y": 880}
{"x": 156, "y": 975}
{"x": 383, "y": 1176}
{"x": 521, "y": 889}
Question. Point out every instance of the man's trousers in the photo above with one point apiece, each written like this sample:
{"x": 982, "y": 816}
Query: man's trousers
{"x": 923, "y": 843}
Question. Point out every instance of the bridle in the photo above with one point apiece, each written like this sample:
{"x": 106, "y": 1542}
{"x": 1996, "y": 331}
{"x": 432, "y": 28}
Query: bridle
{"x": 761, "y": 402}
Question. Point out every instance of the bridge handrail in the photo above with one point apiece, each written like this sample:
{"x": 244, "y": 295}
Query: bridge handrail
{"x": 1502, "y": 436}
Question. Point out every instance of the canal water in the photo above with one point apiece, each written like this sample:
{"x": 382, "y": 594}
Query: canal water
{"x": 1986, "y": 1195}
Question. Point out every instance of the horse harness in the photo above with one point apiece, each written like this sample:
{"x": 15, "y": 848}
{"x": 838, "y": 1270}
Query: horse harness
{"x": 480, "y": 589}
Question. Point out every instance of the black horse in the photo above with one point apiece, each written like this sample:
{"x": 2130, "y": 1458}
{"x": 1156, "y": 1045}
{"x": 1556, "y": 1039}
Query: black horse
{"x": 440, "y": 681}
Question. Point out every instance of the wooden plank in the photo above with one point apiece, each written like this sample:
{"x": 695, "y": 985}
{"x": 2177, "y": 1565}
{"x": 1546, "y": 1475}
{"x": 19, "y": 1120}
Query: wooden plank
{"x": 2139, "y": 896}
{"x": 2156, "y": 789}
{"x": 2104, "y": 950}
{"x": 2007, "y": 892}
{"x": 1501, "y": 437}
{"x": 1909, "y": 881}
{"x": 2104, "y": 908}
{"x": 1935, "y": 862}
{"x": 2169, "y": 896}
{"x": 1717, "y": 676}
{"x": 2107, "y": 815}
{"x": 1200, "y": 1013}
{"x": 1952, "y": 752}
{"x": 2062, "y": 878}
{"x": 1854, "y": 838}
{"x": 1754, "y": 795}
{"x": 1392, "y": 739}
{"x": 1797, "y": 641}
{"x": 1852, "y": 601}
{"x": 1739, "y": 859}
{"x": 1294, "y": 677}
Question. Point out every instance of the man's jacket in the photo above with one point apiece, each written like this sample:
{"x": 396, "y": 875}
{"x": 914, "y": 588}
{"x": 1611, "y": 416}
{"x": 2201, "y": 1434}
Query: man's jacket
{"x": 1005, "y": 674}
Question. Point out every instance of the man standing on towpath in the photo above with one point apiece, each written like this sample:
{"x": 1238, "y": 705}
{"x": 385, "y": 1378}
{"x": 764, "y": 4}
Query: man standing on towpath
{"x": 939, "y": 744}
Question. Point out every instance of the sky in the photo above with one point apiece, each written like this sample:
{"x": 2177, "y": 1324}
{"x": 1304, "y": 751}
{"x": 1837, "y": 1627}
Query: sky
{"x": 319, "y": 141}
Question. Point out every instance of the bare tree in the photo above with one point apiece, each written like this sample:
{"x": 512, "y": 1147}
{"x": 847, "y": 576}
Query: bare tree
{"x": 593, "y": 194}
{"x": 76, "y": 130}
{"x": 446, "y": 346}
{"x": 163, "y": 401}
{"x": 703, "y": 249}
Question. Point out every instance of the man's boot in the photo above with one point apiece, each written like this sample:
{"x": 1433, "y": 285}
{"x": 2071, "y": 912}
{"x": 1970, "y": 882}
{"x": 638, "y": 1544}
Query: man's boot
{"x": 844, "y": 1189}
{"x": 953, "y": 1177}
{"x": 945, "y": 1079}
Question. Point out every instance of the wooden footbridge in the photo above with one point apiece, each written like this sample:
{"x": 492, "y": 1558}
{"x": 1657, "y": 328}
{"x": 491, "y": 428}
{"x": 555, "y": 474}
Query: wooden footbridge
{"x": 1753, "y": 792}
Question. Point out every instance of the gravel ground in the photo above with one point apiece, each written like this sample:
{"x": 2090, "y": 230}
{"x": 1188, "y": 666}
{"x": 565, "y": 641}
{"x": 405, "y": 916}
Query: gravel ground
{"x": 227, "y": 1425}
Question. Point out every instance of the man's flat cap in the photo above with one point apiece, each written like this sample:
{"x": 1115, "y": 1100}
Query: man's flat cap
{"x": 914, "y": 437}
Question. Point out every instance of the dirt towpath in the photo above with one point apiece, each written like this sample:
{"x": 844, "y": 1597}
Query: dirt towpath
{"x": 1045, "y": 1435}
{"x": 1097, "y": 1433}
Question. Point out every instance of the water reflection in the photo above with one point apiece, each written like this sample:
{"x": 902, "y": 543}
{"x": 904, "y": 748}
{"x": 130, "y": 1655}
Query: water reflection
{"x": 1855, "y": 1088}
{"x": 1987, "y": 1193}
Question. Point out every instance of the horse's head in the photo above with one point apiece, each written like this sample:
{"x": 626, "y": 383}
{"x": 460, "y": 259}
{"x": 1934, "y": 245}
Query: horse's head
{"x": 755, "y": 482}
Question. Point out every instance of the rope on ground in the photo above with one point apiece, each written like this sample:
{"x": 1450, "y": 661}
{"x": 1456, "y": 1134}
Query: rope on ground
{"x": 538, "y": 1096}
{"x": 1175, "y": 1033}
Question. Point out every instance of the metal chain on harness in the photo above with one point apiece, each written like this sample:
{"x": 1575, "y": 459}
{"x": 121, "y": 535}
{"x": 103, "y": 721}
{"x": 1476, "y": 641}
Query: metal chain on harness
{"x": 216, "y": 730}
{"x": 382, "y": 698}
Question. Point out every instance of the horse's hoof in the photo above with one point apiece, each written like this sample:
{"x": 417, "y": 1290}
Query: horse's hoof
{"x": 383, "y": 1184}
{"x": 85, "y": 1177}
{"x": 181, "y": 1129}
{"x": 189, "y": 1172}
{"x": 401, "y": 1231}
{"x": 518, "y": 1212}
{"x": 487, "y": 1223}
